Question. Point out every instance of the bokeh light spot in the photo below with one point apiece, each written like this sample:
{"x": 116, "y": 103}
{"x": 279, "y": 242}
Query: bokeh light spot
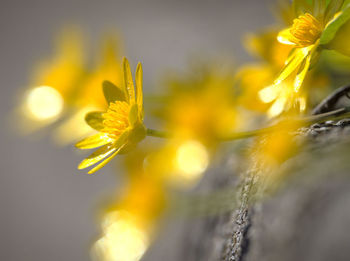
{"x": 123, "y": 239}
{"x": 268, "y": 94}
{"x": 44, "y": 103}
{"x": 192, "y": 159}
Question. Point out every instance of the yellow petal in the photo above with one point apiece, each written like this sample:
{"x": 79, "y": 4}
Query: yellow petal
{"x": 104, "y": 163}
{"x": 97, "y": 156}
{"x": 298, "y": 57}
{"x": 277, "y": 107}
{"x": 302, "y": 73}
{"x": 94, "y": 141}
{"x": 95, "y": 120}
{"x": 139, "y": 98}
{"x": 268, "y": 94}
{"x": 133, "y": 114}
{"x": 129, "y": 84}
{"x": 118, "y": 145}
{"x": 285, "y": 37}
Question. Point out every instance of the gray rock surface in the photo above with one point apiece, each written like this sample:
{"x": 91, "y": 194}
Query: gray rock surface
{"x": 306, "y": 217}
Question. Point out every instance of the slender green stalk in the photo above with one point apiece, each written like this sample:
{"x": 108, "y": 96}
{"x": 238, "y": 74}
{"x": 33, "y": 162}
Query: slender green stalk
{"x": 157, "y": 133}
{"x": 303, "y": 121}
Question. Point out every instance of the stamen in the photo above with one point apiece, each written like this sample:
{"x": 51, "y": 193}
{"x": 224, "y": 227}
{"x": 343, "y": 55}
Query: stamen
{"x": 305, "y": 30}
{"x": 116, "y": 119}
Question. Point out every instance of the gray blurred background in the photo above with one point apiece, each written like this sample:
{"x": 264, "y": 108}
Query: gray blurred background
{"x": 48, "y": 208}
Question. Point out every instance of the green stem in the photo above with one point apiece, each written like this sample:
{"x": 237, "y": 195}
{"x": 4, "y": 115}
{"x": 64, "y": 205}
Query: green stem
{"x": 332, "y": 115}
{"x": 157, "y": 133}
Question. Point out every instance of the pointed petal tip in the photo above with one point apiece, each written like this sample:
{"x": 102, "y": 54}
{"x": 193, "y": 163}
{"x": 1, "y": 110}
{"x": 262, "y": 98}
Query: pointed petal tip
{"x": 91, "y": 171}
{"x": 80, "y": 166}
{"x": 125, "y": 60}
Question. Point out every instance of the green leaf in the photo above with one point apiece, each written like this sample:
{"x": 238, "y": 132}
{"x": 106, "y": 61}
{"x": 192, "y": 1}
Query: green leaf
{"x": 95, "y": 120}
{"x": 334, "y": 25}
{"x": 333, "y": 7}
{"x": 319, "y": 6}
{"x": 112, "y": 93}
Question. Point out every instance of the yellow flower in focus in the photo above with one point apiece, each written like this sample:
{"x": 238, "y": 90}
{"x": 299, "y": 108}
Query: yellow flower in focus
{"x": 255, "y": 95}
{"x": 121, "y": 126}
{"x": 312, "y": 29}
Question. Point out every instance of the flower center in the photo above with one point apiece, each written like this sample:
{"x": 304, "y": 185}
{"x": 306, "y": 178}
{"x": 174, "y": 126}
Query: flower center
{"x": 305, "y": 30}
{"x": 116, "y": 119}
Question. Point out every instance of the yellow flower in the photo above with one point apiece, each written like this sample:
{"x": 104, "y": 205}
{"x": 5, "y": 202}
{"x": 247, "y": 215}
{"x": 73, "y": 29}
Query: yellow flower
{"x": 54, "y": 81}
{"x": 278, "y": 146}
{"x": 201, "y": 107}
{"x": 128, "y": 226}
{"x": 123, "y": 239}
{"x": 179, "y": 162}
{"x": 308, "y": 34}
{"x": 260, "y": 94}
{"x": 107, "y": 67}
{"x": 271, "y": 55}
{"x": 272, "y": 150}
{"x": 89, "y": 96}
{"x": 121, "y": 127}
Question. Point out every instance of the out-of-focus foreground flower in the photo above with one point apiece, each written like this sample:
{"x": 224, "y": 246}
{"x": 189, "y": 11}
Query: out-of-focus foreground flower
{"x": 129, "y": 226}
{"x": 88, "y": 95}
{"x": 66, "y": 87}
{"x": 121, "y": 127}
{"x": 54, "y": 81}
{"x": 199, "y": 110}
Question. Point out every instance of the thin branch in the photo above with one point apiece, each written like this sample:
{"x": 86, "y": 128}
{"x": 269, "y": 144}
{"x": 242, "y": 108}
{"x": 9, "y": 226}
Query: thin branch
{"x": 157, "y": 133}
{"x": 331, "y": 100}
{"x": 304, "y": 121}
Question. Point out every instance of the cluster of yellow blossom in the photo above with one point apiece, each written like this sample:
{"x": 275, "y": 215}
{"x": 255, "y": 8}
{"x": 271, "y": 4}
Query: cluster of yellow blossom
{"x": 198, "y": 112}
{"x": 64, "y": 87}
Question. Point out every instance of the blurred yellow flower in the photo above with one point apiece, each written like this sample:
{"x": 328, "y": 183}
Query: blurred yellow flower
{"x": 123, "y": 239}
{"x": 179, "y": 162}
{"x": 64, "y": 70}
{"x": 201, "y": 106}
{"x": 199, "y": 111}
{"x": 121, "y": 127}
{"x": 271, "y": 55}
{"x": 278, "y": 146}
{"x": 107, "y": 67}
{"x": 54, "y": 81}
{"x": 128, "y": 227}
{"x": 89, "y": 95}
